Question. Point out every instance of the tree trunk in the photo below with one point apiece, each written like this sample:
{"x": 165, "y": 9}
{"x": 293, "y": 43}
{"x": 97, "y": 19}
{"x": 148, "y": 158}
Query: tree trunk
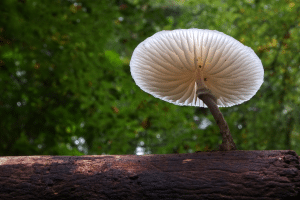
{"x": 204, "y": 175}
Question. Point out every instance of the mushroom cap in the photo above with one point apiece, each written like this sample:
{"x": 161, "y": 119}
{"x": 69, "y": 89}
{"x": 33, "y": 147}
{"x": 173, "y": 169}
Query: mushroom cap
{"x": 166, "y": 63}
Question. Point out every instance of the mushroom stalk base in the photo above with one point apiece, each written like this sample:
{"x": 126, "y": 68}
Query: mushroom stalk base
{"x": 208, "y": 98}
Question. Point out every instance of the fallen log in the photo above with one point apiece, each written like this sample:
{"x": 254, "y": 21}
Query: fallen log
{"x": 205, "y": 175}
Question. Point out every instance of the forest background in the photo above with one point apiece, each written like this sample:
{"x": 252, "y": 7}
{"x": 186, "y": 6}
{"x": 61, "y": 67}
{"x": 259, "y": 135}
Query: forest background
{"x": 66, "y": 87}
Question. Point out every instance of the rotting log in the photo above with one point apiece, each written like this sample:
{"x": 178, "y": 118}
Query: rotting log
{"x": 204, "y": 175}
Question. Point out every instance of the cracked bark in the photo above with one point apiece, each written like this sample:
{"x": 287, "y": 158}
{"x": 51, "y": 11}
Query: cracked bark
{"x": 206, "y": 175}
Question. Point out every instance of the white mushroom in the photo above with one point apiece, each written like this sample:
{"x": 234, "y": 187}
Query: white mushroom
{"x": 168, "y": 64}
{"x": 181, "y": 66}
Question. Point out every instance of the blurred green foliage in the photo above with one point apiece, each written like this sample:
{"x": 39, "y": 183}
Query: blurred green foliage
{"x": 66, "y": 87}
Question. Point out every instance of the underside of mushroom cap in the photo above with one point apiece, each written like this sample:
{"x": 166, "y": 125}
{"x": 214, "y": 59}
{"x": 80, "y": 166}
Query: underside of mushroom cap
{"x": 168, "y": 64}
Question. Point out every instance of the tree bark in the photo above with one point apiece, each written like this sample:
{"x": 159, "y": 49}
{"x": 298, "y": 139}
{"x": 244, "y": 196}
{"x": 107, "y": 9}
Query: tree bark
{"x": 205, "y": 175}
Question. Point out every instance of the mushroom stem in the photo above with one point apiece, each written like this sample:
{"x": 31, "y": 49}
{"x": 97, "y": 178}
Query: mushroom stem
{"x": 208, "y": 98}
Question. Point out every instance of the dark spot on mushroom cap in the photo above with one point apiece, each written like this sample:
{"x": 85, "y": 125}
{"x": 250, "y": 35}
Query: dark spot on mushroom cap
{"x": 205, "y": 79}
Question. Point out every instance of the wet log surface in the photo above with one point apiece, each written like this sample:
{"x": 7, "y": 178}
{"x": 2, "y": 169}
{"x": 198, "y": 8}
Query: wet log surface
{"x": 204, "y": 175}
